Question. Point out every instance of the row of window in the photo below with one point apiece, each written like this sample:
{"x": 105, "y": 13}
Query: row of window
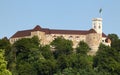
{"x": 98, "y": 27}
{"x": 13, "y": 40}
{"x": 68, "y": 36}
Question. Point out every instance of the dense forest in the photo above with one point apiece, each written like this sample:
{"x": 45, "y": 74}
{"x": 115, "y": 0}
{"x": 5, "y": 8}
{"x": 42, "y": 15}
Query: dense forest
{"x": 28, "y": 57}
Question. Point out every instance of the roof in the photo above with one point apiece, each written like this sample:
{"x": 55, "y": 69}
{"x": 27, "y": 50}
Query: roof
{"x": 37, "y": 28}
{"x": 82, "y": 32}
{"x": 53, "y": 31}
{"x": 104, "y": 35}
{"x": 22, "y": 33}
{"x": 92, "y": 31}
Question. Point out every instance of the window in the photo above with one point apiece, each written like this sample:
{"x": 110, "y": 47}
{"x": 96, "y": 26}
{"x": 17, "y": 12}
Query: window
{"x": 102, "y": 40}
{"x": 54, "y": 36}
{"x": 94, "y": 26}
{"x": 70, "y": 36}
{"x": 99, "y": 27}
{"x": 11, "y": 40}
{"x": 77, "y": 36}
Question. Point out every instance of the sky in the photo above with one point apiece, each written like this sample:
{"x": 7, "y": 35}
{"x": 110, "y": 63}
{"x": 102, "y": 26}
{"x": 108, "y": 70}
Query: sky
{"x": 16, "y": 15}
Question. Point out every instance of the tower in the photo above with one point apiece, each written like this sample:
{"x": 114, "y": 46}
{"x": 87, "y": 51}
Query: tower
{"x": 97, "y": 25}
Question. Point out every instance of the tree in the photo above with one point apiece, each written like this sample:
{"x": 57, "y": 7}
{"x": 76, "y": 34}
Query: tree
{"x": 45, "y": 67}
{"x": 116, "y": 45}
{"x": 82, "y": 48}
{"x": 25, "y": 68}
{"x": 107, "y": 60}
{"x": 115, "y": 41}
{"x": 46, "y": 52}
{"x": 25, "y": 51}
{"x": 3, "y": 64}
{"x": 62, "y": 62}
{"x": 62, "y": 46}
{"x": 67, "y": 71}
{"x": 31, "y": 58}
{"x": 5, "y": 44}
{"x": 113, "y": 37}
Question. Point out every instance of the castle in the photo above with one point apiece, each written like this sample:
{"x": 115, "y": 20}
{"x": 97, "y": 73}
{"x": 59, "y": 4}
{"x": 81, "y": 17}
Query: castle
{"x": 92, "y": 37}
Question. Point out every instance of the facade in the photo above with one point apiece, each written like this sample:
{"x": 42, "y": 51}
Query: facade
{"x": 92, "y": 37}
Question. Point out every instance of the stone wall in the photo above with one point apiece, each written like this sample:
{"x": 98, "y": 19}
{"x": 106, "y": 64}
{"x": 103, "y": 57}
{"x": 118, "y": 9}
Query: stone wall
{"x": 93, "y": 40}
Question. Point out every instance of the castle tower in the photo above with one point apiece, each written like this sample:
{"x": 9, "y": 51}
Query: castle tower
{"x": 94, "y": 37}
{"x": 97, "y": 25}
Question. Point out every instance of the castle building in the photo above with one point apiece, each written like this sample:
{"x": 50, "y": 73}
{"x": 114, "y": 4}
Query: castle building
{"x": 93, "y": 37}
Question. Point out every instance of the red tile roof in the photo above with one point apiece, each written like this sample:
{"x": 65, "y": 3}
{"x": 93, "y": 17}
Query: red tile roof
{"x": 104, "y": 35}
{"x": 37, "y": 28}
{"x": 80, "y": 32}
{"x": 92, "y": 31}
{"x": 53, "y": 31}
{"x": 22, "y": 33}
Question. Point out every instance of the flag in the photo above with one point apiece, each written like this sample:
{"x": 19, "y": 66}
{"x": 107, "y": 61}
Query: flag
{"x": 100, "y": 10}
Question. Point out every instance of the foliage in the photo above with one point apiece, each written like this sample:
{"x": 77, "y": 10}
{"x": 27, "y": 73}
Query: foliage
{"x": 3, "y": 64}
{"x": 82, "y": 48}
{"x": 4, "y": 43}
{"x": 62, "y": 46}
{"x": 46, "y": 52}
{"x": 116, "y": 45}
{"x": 113, "y": 37}
{"x": 31, "y": 58}
{"x": 107, "y": 60}
{"x": 115, "y": 41}
{"x": 25, "y": 68}
{"x": 6, "y": 46}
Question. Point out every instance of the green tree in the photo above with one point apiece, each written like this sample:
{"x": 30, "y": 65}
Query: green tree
{"x": 25, "y": 51}
{"x": 46, "y": 52}
{"x": 45, "y": 67}
{"x": 113, "y": 37}
{"x": 67, "y": 71}
{"x": 3, "y": 64}
{"x": 62, "y": 46}
{"x": 116, "y": 45}
{"x": 107, "y": 60}
{"x": 62, "y": 62}
{"x": 25, "y": 68}
{"x": 31, "y": 58}
{"x": 115, "y": 41}
{"x": 83, "y": 48}
{"x": 5, "y": 44}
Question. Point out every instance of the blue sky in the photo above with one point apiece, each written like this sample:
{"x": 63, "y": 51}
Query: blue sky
{"x": 18, "y": 15}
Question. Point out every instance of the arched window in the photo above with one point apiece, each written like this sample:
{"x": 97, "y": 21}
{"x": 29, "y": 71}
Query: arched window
{"x": 94, "y": 26}
{"x": 77, "y": 36}
{"x": 70, "y": 36}
{"x": 99, "y": 26}
{"x": 54, "y": 36}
